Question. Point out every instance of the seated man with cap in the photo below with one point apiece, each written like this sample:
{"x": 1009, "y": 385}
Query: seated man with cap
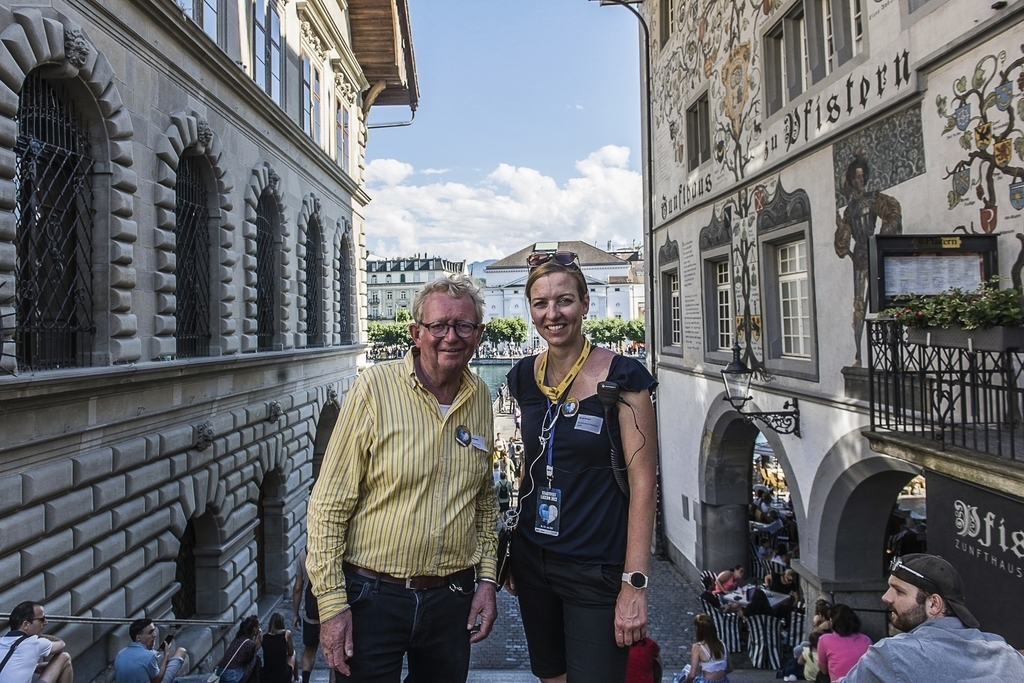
{"x": 940, "y": 640}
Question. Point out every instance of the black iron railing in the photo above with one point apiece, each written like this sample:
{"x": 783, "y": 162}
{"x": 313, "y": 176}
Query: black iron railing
{"x": 959, "y": 397}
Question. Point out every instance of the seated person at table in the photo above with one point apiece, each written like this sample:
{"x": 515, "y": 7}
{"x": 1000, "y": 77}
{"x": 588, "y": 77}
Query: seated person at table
{"x": 730, "y": 579}
{"x": 764, "y": 550}
{"x": 781, "y": 556}
{"x": 784, "y": 582}
{"x": 758, "y": 604}
{"x": 709, "y": 594}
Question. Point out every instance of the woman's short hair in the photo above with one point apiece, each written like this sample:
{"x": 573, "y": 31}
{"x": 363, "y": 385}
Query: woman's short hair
{"x": 455, "y": 286}
{"x": 845, "y": 621}
{"x": 572, "y": 270}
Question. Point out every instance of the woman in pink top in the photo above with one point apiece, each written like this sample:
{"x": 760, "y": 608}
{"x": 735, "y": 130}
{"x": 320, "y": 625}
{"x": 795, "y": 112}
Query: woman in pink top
{"x": 839, "y": 651}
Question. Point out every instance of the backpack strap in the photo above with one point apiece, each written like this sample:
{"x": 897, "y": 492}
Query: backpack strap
{"x": 11, "y": 651}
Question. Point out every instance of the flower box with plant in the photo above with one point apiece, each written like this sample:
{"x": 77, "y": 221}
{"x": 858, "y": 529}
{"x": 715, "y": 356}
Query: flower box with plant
{"x": 986, "y": 319}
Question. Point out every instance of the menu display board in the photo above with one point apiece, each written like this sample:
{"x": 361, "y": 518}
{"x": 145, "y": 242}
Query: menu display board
{"x": 928, "y": 264}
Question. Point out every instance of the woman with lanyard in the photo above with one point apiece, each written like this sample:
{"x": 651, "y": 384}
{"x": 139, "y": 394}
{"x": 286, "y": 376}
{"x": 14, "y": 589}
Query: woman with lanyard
{"x": 583, "y": 533}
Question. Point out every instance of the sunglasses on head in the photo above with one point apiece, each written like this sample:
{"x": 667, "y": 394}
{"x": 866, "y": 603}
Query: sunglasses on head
{"x": 897, "y": 564}
{"x": 539, "y": 258}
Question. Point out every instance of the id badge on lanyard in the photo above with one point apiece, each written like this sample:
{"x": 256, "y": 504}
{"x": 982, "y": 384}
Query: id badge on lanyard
{"x": 549, "y": 499}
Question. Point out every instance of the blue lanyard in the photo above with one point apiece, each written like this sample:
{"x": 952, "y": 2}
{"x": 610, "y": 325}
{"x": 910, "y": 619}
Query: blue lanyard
{"x": 550, "y": 472}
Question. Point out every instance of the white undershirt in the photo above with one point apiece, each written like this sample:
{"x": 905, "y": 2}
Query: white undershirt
{"x": 445, "y": 407}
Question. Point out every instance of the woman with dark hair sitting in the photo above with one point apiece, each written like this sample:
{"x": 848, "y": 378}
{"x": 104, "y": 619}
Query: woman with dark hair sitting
{"x": 240, "y": 663}
{"x": 759, "y": 604}
{"x": 839, "y": 651}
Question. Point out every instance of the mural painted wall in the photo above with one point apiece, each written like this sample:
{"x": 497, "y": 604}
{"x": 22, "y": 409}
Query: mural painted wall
{"x": 973, "y": 119}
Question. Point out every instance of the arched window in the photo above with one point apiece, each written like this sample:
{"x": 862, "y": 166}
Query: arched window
{"x": 345, "y": 293}
{"x": 266, "y": 225}
{"x": 53, "y": 214}
{"x": 314, "y": 284}
{"x": 191, "y": 261}
{"x": 401, "y": 278}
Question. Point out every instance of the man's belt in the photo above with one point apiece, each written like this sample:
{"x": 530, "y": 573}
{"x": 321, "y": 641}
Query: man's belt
{"x": 415, "y": 583}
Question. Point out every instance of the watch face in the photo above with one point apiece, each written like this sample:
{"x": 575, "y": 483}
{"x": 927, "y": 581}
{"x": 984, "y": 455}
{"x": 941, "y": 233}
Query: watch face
{"x": 637, "y": 580}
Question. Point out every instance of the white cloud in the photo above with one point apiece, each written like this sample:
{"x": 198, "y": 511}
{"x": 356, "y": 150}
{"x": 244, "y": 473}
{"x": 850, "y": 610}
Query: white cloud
{"x": 434, "y": 171}
{"x": 509, "y": 209}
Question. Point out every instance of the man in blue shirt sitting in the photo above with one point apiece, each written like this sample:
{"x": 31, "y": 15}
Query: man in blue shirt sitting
{"x": 137, "y": 663}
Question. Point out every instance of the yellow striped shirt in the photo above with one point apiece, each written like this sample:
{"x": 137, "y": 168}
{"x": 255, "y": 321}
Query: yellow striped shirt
{"x": 397, "y": 492}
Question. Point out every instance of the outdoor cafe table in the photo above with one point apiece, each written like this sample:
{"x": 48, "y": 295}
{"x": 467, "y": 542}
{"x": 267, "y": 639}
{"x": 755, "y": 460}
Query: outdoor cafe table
{"x": 739, "y": 596}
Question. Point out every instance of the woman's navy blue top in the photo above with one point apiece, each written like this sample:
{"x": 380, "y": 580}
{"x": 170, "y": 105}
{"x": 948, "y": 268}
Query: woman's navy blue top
{"x": 594, "y": 511}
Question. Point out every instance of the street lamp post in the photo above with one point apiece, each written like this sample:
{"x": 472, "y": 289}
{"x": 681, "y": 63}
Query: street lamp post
{"x": 652, "y": 351}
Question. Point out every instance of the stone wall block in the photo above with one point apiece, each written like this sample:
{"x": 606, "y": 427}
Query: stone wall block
{"x": 46, "y": 481}
{"x": 15, "y": 40}
{"x": 68, "y": 571}
{"x": 30, "y": 587}
{"x": 127, "y": 350}
{"x": 187, "y": 496}
{"x": 162, "y": 347}
{"x": 178, "y": 519}
{"x": 124, "y": 179}
{"x": 88, "y": 467}
{"x": 119, "y": 126}
{"x": 10, "y": 493}
{"x": 121, "y": 252}
{"x": 165, "y": 261}
{"x": 152, "y": 499}
{"x": 165, "y": 324}
{"x": 168, "y": 546}
{"x": 91, "y": 528}
{"x": 107, "y": 492}
{"x": 10, "y": 569}
{"x": 112, "y": 605}
{"x": 226, "y": 293}
{"x": 165, "y": 220}
{"x": 122, "y": 276}
{"x": 164, "y": 282}
{"x": 69, "y": 508}
{"x": 149, "y": 526}
{"x": 122, "y": 203}
{"x": 121, "y": 152}
{"x": 127, "y": 512}
{"x": 129, "y": 454}
{"x": 176, "y": 440}
{"x": 127, "y": 566}
{"x": 45, "y": 551}
{"x": 106, "y": 549}
{"x": 168, "y": 493}
{"x": 120, "y": 300}
{"x": 146, "y": 477}
{"x": 22, "y": 527}
{"x": 123, "y": 325}
{"x": 8, "y": 102}
{"x": 179, "y": 466}
{"x": 91, "y": 590}
{"x": 11, "y": 74}
{"x": 110, "y": 101}
{"x": 145, "y": 587}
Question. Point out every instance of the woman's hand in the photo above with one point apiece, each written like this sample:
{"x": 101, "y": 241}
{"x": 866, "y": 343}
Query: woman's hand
{"x": 630, "y": 615}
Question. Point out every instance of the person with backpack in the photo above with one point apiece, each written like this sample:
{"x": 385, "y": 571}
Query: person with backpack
{"x": 503, "y": 490}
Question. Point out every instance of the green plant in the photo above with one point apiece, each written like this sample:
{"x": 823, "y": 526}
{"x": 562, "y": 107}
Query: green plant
{"x": 988, "y": 306}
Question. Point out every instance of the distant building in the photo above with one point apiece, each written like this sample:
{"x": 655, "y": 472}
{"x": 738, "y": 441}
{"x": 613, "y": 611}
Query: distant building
{"x": 391, "y": 284}
{"x": 615, "y": 282}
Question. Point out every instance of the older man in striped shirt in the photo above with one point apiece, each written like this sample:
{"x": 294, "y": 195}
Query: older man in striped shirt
{"x": 402, "y": 542}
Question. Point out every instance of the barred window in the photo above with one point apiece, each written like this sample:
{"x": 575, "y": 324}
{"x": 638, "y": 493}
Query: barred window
{"x": 314, "y": 284}
{"x": 266, "y": 224}
{"x": 192, "y": 261}
{"x": 53, "y": 216}
{"x": 345, "y": 293}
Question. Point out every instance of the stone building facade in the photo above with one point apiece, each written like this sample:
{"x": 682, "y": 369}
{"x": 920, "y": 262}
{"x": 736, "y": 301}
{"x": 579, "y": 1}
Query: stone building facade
{"x": 788, "y": 137}
{"x": 182, "y": 301}
{"x": 391, "y": 284}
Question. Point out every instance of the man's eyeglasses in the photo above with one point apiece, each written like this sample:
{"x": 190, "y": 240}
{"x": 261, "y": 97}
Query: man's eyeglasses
{"x": 463, "y": 328}
{"x": 539, "y": 258}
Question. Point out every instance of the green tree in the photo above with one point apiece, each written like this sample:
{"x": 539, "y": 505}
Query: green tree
{"x": 511, "y": 330}
{"x": 636, "y": 331}
{"x": 389, "y": 334}
{"x": 402, "y": 315}
{"x": 608, "y": 331}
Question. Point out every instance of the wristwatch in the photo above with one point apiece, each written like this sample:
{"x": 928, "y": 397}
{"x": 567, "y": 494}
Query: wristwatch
{"x": 637, "y": 580}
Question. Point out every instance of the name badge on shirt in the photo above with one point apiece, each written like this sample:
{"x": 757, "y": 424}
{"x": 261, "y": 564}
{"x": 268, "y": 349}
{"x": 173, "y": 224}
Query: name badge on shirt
{"x": 549, "y": 508}
{"x": 589, "y": 423}
{"x": 462, "y": 435}
{"x": 479, "y": 443}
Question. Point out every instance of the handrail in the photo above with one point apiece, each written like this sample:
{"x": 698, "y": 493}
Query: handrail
{"x": 63, "y": 619}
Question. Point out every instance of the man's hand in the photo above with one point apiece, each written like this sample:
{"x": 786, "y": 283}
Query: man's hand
{"x": 297, "y": 621}
{"x": 630, "y": 616}
{"x": 336, "y": 641}
{"x": 484, "y": 609}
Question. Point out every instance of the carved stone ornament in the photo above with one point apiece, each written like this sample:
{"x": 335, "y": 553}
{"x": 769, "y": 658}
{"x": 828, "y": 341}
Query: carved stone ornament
{"x": 76, "y": 47}
{"x": 204, "y": 435}
{"x": 272, "y": 181}
{"x": 332, "y": 397}
{"x": 274, "y": 411}
{"x": 668, "y": 252}
{"x": 344, "y": 88}
{"x": 313, "y": 40}
{"x": 316, "y": 206}
{"x": 204, "y": 132}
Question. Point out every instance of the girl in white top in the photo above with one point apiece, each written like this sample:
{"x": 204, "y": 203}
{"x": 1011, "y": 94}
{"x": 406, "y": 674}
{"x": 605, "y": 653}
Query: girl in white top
{"x": 709, "y": 662}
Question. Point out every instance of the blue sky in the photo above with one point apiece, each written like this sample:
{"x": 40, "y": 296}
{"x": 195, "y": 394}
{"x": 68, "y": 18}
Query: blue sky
{"x": 528, "y": 129}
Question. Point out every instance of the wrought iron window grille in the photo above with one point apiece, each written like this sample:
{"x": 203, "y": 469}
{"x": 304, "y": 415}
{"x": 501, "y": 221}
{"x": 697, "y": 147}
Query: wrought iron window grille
{"x": 266, "y": 220}
{"x": 314, "y": 285}
{"x": 192, "y": 261}
{"x": 54, "y": 323}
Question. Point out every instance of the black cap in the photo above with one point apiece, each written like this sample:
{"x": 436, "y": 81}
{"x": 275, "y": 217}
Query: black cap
{"x": 935, "y": 575}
